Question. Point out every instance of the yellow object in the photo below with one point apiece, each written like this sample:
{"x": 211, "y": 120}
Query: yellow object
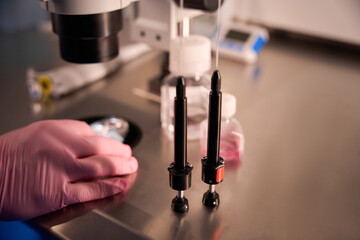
{"x": 46, "y": 85}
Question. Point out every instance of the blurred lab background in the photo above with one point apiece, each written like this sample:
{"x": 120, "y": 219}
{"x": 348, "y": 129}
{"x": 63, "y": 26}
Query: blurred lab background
{"x": 20, "y": 14}
{"x": 306, "y": 79}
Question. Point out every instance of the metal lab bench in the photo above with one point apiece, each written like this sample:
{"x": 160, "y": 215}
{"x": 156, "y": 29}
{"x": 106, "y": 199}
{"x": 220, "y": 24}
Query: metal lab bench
{"x": 299, "y": 178}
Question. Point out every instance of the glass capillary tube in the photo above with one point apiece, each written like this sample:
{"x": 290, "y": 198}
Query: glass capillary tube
{"x": 181, "y": 21}
{"x": 218, "y": 34}
{"x": 181, "y": 35}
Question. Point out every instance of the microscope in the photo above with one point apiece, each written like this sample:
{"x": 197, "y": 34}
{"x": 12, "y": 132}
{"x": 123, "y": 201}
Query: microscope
{"x": 88, "y": 33}
{"x": 88, "y": 29}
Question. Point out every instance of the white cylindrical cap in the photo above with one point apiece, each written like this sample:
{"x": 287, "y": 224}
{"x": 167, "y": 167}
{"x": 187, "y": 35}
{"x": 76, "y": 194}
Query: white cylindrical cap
{"x": 196, "y": 55}
{"x": 228, "y": 105}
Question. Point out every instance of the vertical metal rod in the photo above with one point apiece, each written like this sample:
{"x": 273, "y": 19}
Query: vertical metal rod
{"x": 180, "y": 194}
{"x": 211, "y": 188}
{"x": 186, "y": 27}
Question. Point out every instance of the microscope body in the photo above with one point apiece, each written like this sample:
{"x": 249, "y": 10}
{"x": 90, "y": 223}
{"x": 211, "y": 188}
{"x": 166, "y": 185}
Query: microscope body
{"x": 88, "y": 29}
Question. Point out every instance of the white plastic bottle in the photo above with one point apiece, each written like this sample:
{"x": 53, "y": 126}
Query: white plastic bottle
{"x": 232, "y": 139}
{"x": 194, "y": 67}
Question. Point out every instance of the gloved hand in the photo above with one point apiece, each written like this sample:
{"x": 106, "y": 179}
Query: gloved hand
{"x": 41, "y": 166}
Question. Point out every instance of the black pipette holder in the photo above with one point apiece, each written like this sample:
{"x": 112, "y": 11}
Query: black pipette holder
{"x": 213, "y": 165}
{"x": 212, "y": 174}
{"x": 180, "y": 169}
{"x": 180, "y": 179}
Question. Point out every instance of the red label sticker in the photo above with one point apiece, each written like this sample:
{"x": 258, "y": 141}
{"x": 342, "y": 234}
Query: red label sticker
{"x": 220, "y": 174}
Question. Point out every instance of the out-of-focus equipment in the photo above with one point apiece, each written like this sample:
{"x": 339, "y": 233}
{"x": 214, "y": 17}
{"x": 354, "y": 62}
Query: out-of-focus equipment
{"x": 207, "y": 5}
{"x": 63, "y": 80}
{"x": 88, "y": 29}
{"x": 329, "y": 19}
{"x": 195, "y": 63}
{"x": 241, "y": 41}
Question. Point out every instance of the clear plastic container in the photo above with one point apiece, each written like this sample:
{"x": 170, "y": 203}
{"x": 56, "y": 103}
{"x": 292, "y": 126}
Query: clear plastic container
{"x": 190, "y": 57}
{"x": 232, "y": 139}
{"x": 197, "y": 89}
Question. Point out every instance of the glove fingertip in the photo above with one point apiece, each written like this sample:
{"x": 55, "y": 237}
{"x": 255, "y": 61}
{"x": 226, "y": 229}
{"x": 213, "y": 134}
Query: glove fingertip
{"x": 128, "y": 149}
{"x": 134, "y": 164}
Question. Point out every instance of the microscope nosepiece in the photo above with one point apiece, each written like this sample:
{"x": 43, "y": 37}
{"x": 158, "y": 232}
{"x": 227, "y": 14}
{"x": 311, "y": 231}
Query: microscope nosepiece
{"x": 88, "y": 38}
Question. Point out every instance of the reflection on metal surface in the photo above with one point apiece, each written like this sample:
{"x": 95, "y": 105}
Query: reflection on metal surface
{"x": 211, "y": 220}
{"x": 106, "y": 228}
{"x": 147, "y": 95}
{"x": 173, "y": 226}
{"x": 122, "y": 225}
{"x": 73, "y": 211}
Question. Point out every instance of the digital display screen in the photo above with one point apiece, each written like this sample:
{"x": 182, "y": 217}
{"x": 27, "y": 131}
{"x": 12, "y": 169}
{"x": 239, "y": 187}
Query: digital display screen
{"x": 239, "y": 36}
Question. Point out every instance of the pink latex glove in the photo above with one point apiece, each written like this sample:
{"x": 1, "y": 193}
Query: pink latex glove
{"x": 41, "y": 166}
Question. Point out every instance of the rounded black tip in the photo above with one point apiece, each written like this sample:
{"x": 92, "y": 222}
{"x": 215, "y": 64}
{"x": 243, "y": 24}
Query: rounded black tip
{"x": 180, "y": 81}
{"x": 216, "y": 81}
{"x": 211, "y": 199}
{"x": 180, "y": 87}
{"x": 180, "y": 205}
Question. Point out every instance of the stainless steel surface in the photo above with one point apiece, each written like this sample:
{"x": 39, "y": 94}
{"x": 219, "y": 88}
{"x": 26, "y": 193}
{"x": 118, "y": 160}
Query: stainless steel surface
{"x": 299, "y": 179}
